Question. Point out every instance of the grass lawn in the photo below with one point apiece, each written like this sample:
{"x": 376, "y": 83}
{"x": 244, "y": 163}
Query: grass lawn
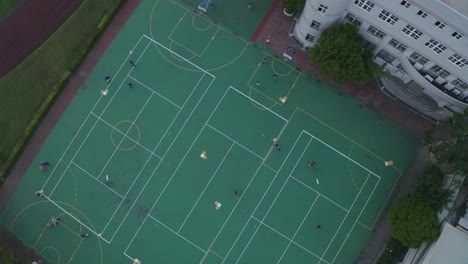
{"x": 31, "y": 86}
{"x": 6, "y": 6}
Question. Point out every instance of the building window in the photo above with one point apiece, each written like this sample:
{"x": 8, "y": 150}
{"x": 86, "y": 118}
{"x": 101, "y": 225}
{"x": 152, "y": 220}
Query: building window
{"x": 405, "y": 4}
{"x": 397, "y": 45}
{"x": 412, "y": 32}
{"x": 310, "y": 38}
{"x": 376, "y": 32}
{"x": 422, "y": 14}
{"x": 458, "y": 60}
{"x": 457, "y": 35}
{"x": 364, "y": 4}
{"x": 439, "y": 71}
{"x": 435, "y": 46}
{"x": 315, "y": 25}
{"x": 323, "y": 9}
{"x": 439, "y": 24}
{"x": 460, "y": 84}
{"x": 401, "y": 68}
{"x": 416, "y": 57}
{"x": 350, "y": 18}
{"x": 387, "y": 17}
{"x": 368, "y": 45}
{"x": 385, "y": 56}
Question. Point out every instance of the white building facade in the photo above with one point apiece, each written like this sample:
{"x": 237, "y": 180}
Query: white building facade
{"x": 424, "y": 41}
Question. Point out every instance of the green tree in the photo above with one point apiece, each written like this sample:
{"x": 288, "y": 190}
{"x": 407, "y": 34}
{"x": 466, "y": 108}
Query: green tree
{"x": 452, "y": 150}
{"x": 340, "y": 53}
{"x": 430, "y": 188}
{"x": 292, "y": 6}
{"x": 413, "y": 221}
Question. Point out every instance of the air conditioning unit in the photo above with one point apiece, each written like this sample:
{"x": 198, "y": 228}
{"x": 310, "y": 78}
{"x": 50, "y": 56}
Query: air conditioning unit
{"x": 440, "y": 80}
{"x": 418, "y": 66}
{"x": 428, "y": 77}
{"x": 449, "y": 86}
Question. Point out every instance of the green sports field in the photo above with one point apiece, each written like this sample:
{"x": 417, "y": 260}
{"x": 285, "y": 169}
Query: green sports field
{"x": 149, "y": 170}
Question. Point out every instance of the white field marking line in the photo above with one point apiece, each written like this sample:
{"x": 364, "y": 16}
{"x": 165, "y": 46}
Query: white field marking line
{"x": 266, "y": 108}
{"x": 297, "y": 230}
{"x": 86, "y": 119}
{"x": 123, "y": 134}
{"x": 206, "y": 187}
{"x": 152, "y": 174}
{"x": 85, "y": 171}
{"x": 191, "y": 63}
{"x": 151, "y": 90}
{"x": 159, "y": 222}
{"x": 344, "y": 155}
{"x": 92, "y": 128}
{"x": 76, "y": 219}
{"x": 242, "y": 146}
{"x": 362, "y": 210}
{"x": 132, "y": 259}
{"x": 277, "y": 195}
{"x": 136, "y": 178}
{"x": 170, "y": 147}
{"x": 287, "y": 238}
{"x": 264, "y": 194}
{"x": 312, "y": 189}
{"x": 235, "y": 206}
{"x": 346, "y": 216}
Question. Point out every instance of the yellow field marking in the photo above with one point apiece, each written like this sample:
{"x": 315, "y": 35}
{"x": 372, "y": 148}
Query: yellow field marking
{"x": 188, "y": 69}
{"x": 59, "y": 202}
{"x": 179, "y": 58}
{"x": 131, "y": 125}
{"x": 191, "y": 51}
{"x": 366, "y": 227}
{"x": 206, "y": 20}
{"x": 56, "y": 251}
{"x": 351, "y": 173}
{"x": 269, "y": 167}
{"x": 276, "y": 72}
{"x": 76, "y": 250}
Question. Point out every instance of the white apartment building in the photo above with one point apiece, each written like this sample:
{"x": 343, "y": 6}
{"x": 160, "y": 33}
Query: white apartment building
{"x": 421, "y": 41}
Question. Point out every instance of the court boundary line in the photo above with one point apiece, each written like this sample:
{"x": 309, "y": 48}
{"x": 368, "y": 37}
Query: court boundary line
{"x": 87, "y": 117}
{"x": 284, "y": 236}
{"x": 92, "y": 176}
{"x": 175, "y": 53}
{"x": 169, "y": 148}
{"x": 206, "y": 187}
{"x": 263, "y": 196}
{"x": 299, "y": 228}
{"x": 276, "y": 197}
{"x": 154, "y": 92}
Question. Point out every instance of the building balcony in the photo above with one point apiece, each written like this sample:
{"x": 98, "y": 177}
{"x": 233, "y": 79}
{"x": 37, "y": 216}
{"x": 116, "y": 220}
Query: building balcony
{"x": 445, "y": 94}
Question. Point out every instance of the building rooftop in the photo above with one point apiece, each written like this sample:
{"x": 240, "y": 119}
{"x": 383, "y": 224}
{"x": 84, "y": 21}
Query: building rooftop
{"x": 449, "y": 248}
{"x": 461, "y": 6}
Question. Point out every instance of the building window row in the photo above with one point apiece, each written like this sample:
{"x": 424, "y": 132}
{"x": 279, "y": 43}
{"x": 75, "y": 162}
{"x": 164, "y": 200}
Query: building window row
{"x": 422, "y": 14}
{"x": 323, "y": 9}
{"x": 405, "y": 4}
{"x": 315, "y": 25}
{"x": 397, "y": 45}
{"x": 369, "y": 45}
{"x": 457, "y": 35}
{"x": 435, "y": 46}
{"x": 387, "y": 17}
{"x": 376, "y": 32}
{"x": 310, "y": 38}
{"x": 364, "y": 4}
{"x": 439, "y": 71}
{"x": 458, "y": 60}
{"x": 416, "y": 57}
{"x": 460, "y": 84}
{"x": 412, "y": 32}
{"x": 352, "y": 19}
{"x": 439, "y": 24}
{"x": 384, "y": 55}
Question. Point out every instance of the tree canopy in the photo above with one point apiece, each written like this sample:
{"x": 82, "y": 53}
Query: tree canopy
{"x": 413, "y": 221}
{"x": 340, "y": 53}
{"x": 431, "y": 188}
{"x": 454, "y": 149}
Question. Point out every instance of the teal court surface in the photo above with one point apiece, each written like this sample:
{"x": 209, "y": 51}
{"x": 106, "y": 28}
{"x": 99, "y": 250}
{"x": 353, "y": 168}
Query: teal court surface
{"x": 174, "y": 160}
